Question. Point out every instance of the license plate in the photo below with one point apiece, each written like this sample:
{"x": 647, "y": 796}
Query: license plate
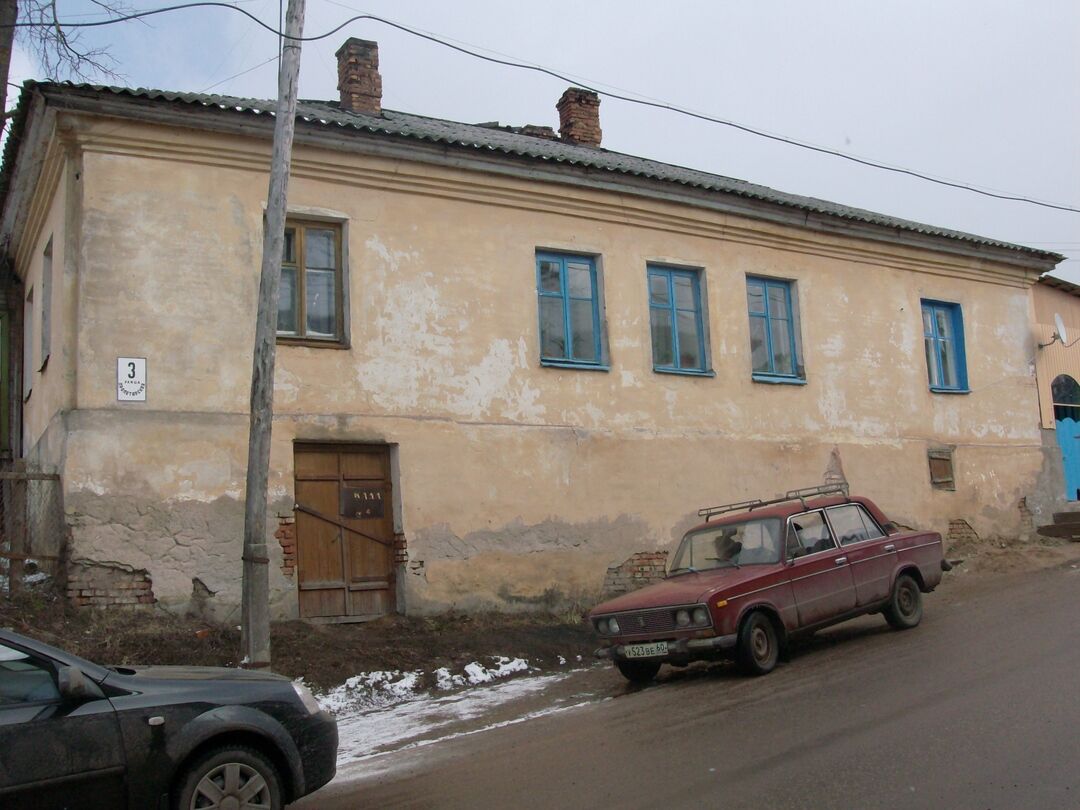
{"x": 645, "y": 650}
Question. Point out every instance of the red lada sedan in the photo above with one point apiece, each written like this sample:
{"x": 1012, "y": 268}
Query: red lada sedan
{"x": 757, "y": 573}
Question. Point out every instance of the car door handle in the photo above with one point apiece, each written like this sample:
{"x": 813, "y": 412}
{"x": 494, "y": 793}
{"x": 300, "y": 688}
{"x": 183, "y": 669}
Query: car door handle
{"x": 890, "y": 547}
{"x": 840, "y": 560}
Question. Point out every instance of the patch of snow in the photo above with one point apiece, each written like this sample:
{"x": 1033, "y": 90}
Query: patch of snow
{"x": 376, "y": 730}
{"x": 371, "y": 690}
{"x": 477, "y": 673}
{"x": 562, "y": 661}
{"x": 36, "y": 578}
{"x": 444, "y": 680}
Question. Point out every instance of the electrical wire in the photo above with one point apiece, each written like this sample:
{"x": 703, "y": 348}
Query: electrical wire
{"x": 660, "y": 105}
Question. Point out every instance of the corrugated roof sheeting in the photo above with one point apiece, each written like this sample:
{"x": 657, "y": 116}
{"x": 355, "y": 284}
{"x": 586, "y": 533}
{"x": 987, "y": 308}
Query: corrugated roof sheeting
{"x": 406, "y": 125}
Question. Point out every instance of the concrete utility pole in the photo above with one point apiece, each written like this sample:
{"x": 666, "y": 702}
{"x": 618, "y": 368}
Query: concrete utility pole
{"x": 255, "y": 600}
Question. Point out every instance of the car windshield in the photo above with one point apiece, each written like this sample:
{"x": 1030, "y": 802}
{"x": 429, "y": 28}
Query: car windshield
{"x": 752, "y": 542}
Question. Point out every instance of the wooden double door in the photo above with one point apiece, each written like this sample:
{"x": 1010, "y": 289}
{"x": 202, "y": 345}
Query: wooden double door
{"x": 344, "y": 531}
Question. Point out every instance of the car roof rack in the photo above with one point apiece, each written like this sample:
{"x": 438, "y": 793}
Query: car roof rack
{"x": 791, "y": 495}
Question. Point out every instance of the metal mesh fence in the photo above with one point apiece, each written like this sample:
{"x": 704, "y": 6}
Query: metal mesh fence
{"x": 33, "y": 531}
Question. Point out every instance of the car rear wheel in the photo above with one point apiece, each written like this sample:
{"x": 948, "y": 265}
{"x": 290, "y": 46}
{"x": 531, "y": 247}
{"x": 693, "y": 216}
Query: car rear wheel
{"x": 236, "y": 778}
{"x": 905, "y": 604}
{"x": 759, "y": 647}
{"x": 638, "y": 671}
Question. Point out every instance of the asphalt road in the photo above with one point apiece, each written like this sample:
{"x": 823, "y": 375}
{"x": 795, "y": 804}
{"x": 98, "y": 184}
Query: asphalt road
{"x": 978, "y": 707}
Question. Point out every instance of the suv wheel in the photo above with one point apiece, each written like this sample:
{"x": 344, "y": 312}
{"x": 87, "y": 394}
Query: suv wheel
{"x": 230, "y": 779}
{"x": 638, "y": 671}
{"x": 759, "y": 647}
{"x": 905, "y": 605}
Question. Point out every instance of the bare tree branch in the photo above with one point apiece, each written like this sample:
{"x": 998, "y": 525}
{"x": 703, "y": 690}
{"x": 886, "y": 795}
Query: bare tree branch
{"x": 62, "y": 54}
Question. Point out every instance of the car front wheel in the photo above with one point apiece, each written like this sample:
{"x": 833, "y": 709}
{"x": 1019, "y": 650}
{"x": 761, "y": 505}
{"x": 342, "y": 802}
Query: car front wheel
{"x": 905, "y": 605}
{"x": 758, "y": 648}
{"x": 235, "y": 778}
{"x": 638, "y": 671}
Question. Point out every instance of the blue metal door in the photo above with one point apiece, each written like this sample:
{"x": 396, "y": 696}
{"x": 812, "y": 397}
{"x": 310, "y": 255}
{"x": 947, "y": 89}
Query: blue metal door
{"x": 1068, "y": 438}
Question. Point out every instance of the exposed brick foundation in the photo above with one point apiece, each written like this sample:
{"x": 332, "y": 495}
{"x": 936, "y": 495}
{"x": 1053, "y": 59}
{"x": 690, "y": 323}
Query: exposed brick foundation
{"x": 101, "y": 585}
{"x": 643, "y": 568}
{"x": 960, "y": 531}
{"x": 286, "y": 535}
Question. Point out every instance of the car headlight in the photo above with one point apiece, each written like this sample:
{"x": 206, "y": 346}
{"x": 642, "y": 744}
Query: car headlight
{"x": 701, "y": 616}
{"x": 613, "y": 626}
{"x": 306, "y": 698}
{"x": 682, "y": 618}
{"x": 601, "y": 626}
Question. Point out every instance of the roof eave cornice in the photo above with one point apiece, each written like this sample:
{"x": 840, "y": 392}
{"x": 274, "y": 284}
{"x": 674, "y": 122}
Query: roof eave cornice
{"x": 344, "y": 138}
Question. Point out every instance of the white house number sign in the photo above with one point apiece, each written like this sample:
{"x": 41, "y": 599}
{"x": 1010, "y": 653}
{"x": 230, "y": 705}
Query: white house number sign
{"x": 131, "y": 379}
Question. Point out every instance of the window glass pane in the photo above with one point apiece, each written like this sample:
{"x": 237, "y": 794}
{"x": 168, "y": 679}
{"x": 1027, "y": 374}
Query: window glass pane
{"x": 755, "y": 297}
{"x": 848, "y": 524}
{"x": 24, "y": 680}
{"x": 948, "y": 364}
{"x": 684, "y": 292}
{"x": 288, "y": 253}
{"x": 581, "y": 328}
{"x": 812, "y": 532}
{"x": 552, "y": 339}
{"x": 663, "y": 346}
{"x": 286, "y": 313}
{"x": 319, "y": 248}
{"x": 783, "y": 362}
{"x": 689, "y": 341}
{"x": 759, "y": 347}
{"x": 1066, "y": 391}
{"x": 944, "y": 327}
{"x": 549, "y": 277}
{"x": 777, "y": 301}
{"x": 658, "y": 289}
{"x": 930, "y": 346}
{"x": 320, "y": 303}
{"x": 927, "y": 321}
{"x": 579, "y": 280}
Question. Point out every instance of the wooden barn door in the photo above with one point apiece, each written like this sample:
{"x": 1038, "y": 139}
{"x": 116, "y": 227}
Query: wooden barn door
{"x": 344, "y": 531}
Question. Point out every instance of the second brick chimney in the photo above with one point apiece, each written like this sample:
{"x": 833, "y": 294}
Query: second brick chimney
{"x": 359, "y": 81}
{"x": 579, "y": 116}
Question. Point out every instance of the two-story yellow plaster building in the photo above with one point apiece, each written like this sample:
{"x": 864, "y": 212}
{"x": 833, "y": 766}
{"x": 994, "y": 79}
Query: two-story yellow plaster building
{"x": 517, "y": 354}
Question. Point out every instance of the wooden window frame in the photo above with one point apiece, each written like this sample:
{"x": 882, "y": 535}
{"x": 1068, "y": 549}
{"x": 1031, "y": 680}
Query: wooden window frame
{"x": 563, "y": 295}
{"x": 791, "y": 316}
{"x": 299, "y": 225}
{"x": 669, "y": 274}
{"x": 941, "y": 343}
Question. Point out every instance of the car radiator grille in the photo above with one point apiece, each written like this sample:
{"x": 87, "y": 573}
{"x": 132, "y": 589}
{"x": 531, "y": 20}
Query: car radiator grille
{"x": 646, "y": 621}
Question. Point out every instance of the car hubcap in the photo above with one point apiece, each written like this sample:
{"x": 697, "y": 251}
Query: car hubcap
{"x": 232, "y": 786}
{"x": 760, "y": 642}
{"x": 907, "y": 601}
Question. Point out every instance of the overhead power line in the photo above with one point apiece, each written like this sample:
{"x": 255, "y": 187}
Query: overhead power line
{"x": 659, "y": 105}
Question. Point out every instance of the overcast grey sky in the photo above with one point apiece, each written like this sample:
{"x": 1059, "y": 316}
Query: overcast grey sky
{"x": 979, "y": 91}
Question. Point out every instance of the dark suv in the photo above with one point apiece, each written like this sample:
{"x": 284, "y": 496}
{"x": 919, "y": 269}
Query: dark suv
{"x": 77, "y": 735}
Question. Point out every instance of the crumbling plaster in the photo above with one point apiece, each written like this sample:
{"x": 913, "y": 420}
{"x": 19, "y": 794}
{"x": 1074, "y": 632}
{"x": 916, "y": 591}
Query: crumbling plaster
{"x": 519, "y": 484}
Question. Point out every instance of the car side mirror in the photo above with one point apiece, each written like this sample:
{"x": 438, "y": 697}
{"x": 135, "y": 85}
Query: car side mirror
{"x": 74, "y": 685}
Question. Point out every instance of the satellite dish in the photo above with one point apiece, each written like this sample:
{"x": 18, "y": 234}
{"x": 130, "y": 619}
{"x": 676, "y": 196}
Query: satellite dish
{"x": 1061, "y": 333}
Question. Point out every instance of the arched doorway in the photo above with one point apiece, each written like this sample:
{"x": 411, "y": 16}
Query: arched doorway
{"x": 1065, "y": 392}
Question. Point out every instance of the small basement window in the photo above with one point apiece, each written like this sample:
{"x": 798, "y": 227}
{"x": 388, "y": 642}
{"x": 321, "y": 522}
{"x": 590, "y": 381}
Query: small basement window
{"x": 941, "y": 469}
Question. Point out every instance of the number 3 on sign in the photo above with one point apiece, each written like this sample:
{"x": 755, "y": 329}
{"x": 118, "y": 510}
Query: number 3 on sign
{"x": 131, "y": 379}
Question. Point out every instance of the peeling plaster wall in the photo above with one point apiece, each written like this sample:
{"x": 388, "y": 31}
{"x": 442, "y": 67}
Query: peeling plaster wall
{"x": 519, "y": 484}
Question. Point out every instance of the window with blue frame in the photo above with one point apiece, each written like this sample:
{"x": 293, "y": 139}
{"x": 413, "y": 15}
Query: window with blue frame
{"x": 675, "y": 317}
{"x": 943, "y": 340}
{"x": 774, "y": 344}
{"x": 569, "y": 310}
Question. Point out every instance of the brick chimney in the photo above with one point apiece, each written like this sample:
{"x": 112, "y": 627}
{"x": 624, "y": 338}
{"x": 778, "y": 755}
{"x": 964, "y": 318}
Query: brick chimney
{"x": 359, "y": 81}
{"x": 579, "y": 116}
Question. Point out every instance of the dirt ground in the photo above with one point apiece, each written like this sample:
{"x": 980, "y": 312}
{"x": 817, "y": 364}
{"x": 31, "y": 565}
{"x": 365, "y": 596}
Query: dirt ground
{"x": 325, "y": 655}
